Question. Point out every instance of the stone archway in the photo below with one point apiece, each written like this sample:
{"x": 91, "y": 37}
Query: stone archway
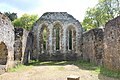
{"x": 3, "y": 53}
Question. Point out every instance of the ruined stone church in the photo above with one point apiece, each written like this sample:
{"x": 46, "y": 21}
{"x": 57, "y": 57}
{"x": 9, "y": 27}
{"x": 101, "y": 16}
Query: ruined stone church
{"x": 59, "y": 36}
{"x": 63, "y": 34}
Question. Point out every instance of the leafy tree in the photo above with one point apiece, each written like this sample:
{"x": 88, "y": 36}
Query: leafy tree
{"x": 26, "y": 21}
{"x": 11, "y": 16}
{"x": 101, "y": 13}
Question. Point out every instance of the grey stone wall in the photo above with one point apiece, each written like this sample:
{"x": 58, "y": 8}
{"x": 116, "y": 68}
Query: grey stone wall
{"x": 92, "y": 46}
{"x": 24, "y": 44}
{"x": 112, "y": 44}
{"x": 51, "y": 20}
{"x": 20, "y": 45}
{"x": 7, "y": 40}
{"x": 27, "y": 48}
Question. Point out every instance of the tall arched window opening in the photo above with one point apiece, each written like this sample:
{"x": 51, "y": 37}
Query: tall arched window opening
{"x": 70, "y": 39}
{"x": 45, "y": 39}
{"x": 44, "y": 34}
{"x": 57, "y": 38}
{"x": 57, "y": 34}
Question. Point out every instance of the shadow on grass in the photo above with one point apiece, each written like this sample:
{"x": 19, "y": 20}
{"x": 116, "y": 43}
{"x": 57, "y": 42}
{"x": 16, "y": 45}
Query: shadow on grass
{"x": 79, "y": 63}
{"x": 101, "y": 71}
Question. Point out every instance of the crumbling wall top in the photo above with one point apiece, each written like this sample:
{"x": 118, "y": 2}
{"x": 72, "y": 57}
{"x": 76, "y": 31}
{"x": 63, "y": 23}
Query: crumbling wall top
{"x": 57, "y": 16}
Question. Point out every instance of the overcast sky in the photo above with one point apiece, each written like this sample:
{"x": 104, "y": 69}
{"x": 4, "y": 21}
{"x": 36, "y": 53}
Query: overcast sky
{"x": 76, "y": 8}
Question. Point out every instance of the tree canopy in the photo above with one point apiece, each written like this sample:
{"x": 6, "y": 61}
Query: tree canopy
{"x": 11, "y": 16}
{"x": 104, "y": 11}
{"x": 26, "y": 21}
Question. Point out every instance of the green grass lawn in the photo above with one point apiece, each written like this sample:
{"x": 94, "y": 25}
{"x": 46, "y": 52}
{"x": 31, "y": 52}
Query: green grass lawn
{"x": 79, "y": 63}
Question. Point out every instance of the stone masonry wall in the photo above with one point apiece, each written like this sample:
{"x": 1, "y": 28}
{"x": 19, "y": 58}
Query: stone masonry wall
{"x": 20, "y": 46}
{"x": 27, "y": 47}
{"x": 112, "y": 44}
{"x": 92, "y": 46}
{"x": 7, "y": 39}
{"x": 25, "y": 44}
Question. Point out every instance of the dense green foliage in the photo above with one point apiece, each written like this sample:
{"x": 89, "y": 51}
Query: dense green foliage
{"x": 11, "y": 16}
{"x": 26, "y": 21}
{"x": 104, "y": 11}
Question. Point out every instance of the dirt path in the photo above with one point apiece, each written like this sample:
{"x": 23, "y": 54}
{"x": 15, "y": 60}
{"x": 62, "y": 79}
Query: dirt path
{"x": 52, "y": 73}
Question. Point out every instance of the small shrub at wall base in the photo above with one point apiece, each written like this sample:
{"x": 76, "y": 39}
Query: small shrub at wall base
{"x": 19, "y": 67}
{"x": 110, "y": 73}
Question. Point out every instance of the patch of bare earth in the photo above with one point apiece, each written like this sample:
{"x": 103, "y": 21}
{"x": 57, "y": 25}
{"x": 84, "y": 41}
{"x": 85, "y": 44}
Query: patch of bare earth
{"x": 52, "y": 73}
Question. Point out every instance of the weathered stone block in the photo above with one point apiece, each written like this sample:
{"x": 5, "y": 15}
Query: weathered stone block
{"x": 71, "y": 55}
{"x": 57, "y": 56}
{"x": 72, "y": 77}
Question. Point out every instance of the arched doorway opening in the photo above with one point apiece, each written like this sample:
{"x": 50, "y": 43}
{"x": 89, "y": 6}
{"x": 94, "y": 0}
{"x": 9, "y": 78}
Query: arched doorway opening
{"x": 3, "y": 53}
